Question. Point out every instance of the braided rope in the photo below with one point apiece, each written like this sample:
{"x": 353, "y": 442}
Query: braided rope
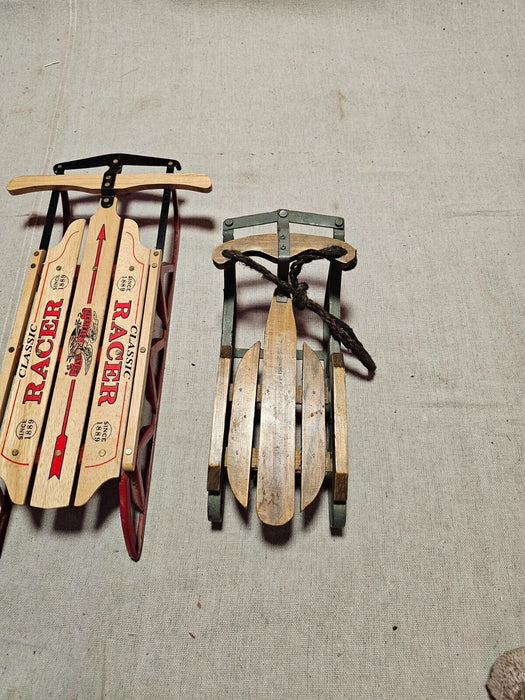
{"x": 297, "y": 291}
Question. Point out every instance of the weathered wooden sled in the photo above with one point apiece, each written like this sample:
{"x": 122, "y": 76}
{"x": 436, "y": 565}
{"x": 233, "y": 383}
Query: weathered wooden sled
{"x": 81, "y": 383}
{"x": 264, "y": 394}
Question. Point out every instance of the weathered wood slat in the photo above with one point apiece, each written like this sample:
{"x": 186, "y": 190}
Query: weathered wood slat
{"x": 34, "y": 376}
{"x": 313, "y": 428}
{"x": 219, "y": 419}
{"x": 276, "y": 474}
{"x": 241, "y": 424}
{"x": 340, "y": 424}
{"x": 267, "y": 244}
{"x": 106, "y": 425}
{"x": 69, "y": 404}
{"x": 298, "y": 460}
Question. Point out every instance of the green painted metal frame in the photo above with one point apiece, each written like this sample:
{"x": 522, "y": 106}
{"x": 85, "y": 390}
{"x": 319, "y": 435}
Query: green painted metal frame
{"x": 283, "y": 218}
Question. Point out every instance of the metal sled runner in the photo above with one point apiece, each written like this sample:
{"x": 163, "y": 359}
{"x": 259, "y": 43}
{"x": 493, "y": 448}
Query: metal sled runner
{"x": 81, "y": 383}
{"x": 264, "y": 398}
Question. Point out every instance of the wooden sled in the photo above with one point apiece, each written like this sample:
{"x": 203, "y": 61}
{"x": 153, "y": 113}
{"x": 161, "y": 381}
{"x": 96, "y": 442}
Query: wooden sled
{"x": 81, "y": 383}
{"x": 264, "y": 397}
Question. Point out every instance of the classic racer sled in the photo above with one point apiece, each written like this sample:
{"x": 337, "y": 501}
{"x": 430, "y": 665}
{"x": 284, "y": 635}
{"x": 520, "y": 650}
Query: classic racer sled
{"x": 265, "y": 424}
{"x": 81, "y": 383}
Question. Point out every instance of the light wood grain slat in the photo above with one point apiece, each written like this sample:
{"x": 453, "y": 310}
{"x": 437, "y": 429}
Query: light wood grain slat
{"x": 70, "y": 401}
{"x": 19, "y": 327}
{"x": 276, "y": 473}
{"x": 313, "y": 428}
{"x": 129, "y": 456}
{"x": 106, "y": 425}
{"x": 124, "y": 182}
{"x": 340, "y": 423}
{"x": 33, "y": 380}
{"x": 267, "y": 244}
{"x": 241, "y": 424}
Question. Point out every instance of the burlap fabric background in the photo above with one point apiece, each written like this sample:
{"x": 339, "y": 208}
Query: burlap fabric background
{"x": 406, "y": 118}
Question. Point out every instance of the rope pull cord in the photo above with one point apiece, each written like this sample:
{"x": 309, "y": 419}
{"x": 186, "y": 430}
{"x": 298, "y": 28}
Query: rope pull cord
{"x": 297, "y": 291}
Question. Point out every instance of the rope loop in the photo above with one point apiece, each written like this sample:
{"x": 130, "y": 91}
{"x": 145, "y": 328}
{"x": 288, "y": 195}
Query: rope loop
{"x": 297, "y": 291}
{"x": 299, "y": 296}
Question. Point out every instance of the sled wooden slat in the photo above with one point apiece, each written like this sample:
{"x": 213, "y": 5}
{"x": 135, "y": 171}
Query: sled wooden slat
{"x": 69, "y": 404}
{"x": 297, "y": 462}
{"x": 124, "y": 183}
{"x": 266, "y": 244}
{"x": 241, "y": 424}
{"x": 219, "y": 418}
{"x": 313, "y": 430}
{"x": 106, "y": 426}
{"x": 129, "y": 455}
{"x": 339, "y": 412}
{"x": 19, "y": 326}
{"x": 33, "y": 379}
{"x": 276, "y": 473}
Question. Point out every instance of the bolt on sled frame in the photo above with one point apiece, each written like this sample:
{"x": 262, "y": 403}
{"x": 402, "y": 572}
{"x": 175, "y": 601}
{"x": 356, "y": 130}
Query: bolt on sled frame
{"x": 81, "y": 384}
{"x": 264, "y": 398}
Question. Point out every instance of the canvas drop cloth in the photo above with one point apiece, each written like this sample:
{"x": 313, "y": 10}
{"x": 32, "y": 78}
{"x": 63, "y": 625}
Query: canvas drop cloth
{"x": 405, "y": 118}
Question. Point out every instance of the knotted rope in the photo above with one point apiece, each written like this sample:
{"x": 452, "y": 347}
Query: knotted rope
{"x": 297, "y": 291}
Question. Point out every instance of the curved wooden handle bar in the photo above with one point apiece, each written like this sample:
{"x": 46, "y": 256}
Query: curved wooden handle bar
{"x": 125, "y": 182}
{"x": 265, "y": 245}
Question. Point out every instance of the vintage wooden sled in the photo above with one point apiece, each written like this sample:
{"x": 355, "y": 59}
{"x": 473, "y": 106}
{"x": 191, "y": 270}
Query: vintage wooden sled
{"x": 81, "y": 383}
{"x": 301, "y": 427}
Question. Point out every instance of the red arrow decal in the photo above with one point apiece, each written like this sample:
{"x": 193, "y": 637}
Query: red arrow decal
{"x": 61, "y": 441}
{"x": 100, "y": 238}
